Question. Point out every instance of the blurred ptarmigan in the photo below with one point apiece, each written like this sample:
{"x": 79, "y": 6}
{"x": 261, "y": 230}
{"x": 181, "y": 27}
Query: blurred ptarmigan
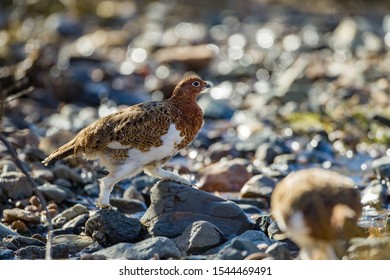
{"x": 141, "y": 137}
{"x": 318, "y": 209}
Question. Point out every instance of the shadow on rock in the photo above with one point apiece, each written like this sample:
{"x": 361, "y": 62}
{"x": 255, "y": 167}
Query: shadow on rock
{"x": 174, "y": 207}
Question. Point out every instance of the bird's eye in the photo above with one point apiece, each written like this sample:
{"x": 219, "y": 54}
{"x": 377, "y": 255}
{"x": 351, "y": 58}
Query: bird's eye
{"x": 196, "y": 84}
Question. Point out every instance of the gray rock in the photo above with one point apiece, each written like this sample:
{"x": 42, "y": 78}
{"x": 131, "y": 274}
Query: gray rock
{"x": 5, "y": 231}
{"x": 69, "y": 214}
{"x": 64, "y": 183}
{"x": 258, "y": 186}
{"x": 15, "y": 185}
{"x": 92, "y": 189}
{"x": 199, "y": 237}
{"x": 76, "y": 223}
{"x": 114, "y": 226}
{"x": 45, "y": 174}
{"x": 38, "y": 252}
{"x": 263, "y": 222}
{"x": 237, "y": 249}
{"x": 274, "y": 232}
{"x": 127, "y": 205}
{"x": 53, "y": 192}
{"x": 133, "y": 193}
{"x": 90, "y": 249}
{"x": 250, "y": 209}
{"x": 279, "y": 251}
{"x": 7, "y": 166}
{"x": 23, "y": 241}
{"x": 257, "y": 237}
{"x": 73, "y": 243}
{"x": 156, "y": 247}
{"x": 65, "y": 172}
{"x": 174, "y": 207}
{"x": 6, "y": 254}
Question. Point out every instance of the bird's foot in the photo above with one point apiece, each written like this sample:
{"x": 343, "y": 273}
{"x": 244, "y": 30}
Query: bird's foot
{"x": 181, "y": 180}
{"x": 104, "y": 206}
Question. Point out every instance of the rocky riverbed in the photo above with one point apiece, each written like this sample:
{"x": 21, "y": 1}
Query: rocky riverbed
{"x": 292, "y": 89}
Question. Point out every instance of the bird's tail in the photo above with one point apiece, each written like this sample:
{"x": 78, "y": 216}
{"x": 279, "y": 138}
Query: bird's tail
{"x": 60, "y": 153}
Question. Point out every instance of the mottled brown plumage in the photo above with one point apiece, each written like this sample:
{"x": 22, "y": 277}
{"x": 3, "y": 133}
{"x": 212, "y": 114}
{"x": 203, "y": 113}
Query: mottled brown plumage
{"x": 318, "y": 208}
{"x": 147, "y": 134}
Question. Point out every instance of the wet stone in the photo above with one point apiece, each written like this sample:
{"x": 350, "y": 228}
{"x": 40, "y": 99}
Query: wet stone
{"x": 174, "y": 207}
{"x": 156, "y": 247}
{"x": 115, "y": 226}
{"x": 199, "y": 237}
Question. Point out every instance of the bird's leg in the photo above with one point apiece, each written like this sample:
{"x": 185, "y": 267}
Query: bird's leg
{"x": 107, "y": 183}
{"x": 158, "y": 172}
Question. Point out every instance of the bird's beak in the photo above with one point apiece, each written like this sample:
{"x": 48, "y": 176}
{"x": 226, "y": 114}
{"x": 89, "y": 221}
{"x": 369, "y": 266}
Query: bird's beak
{"x": 207, "y": 85}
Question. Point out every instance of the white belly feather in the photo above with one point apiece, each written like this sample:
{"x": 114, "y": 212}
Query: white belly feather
{"x": 169, "y": 148}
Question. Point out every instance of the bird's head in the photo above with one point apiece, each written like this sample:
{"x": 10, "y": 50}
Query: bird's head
{"x": 190, "y": 87}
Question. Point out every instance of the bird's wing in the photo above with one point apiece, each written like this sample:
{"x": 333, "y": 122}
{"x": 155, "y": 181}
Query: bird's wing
{"x": 140, "y": 126}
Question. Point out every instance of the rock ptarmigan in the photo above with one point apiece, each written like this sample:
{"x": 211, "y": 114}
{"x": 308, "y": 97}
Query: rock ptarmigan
{"x": 318, "y": 209}
{"x": 141, "y": 137}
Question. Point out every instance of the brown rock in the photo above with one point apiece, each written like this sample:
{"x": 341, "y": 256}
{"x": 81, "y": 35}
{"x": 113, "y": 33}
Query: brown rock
{"x": 227, "y": 176}
{"x": 19, "y": 226}
{"x": 10, "y": 215}
{"x": 34, "y": 200}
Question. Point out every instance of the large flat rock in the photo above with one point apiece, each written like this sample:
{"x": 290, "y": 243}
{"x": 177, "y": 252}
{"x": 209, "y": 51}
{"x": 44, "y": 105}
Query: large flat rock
{"x": 174, "y": 207}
